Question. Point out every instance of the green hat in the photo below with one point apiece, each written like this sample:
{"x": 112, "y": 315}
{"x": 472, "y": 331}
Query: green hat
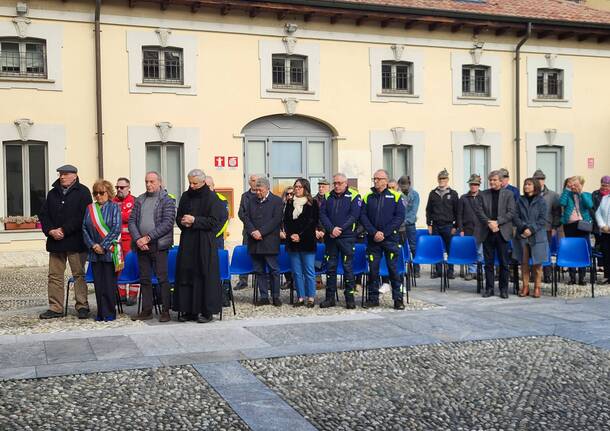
{"x": 323, "y": 181}
{"x": 474, "y": 179}
{"x": 443, "y": 174}
{"x": 539, "y": 175}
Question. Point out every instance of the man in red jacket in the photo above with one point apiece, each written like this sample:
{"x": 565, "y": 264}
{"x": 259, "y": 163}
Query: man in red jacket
{"x": 126, "y": 202}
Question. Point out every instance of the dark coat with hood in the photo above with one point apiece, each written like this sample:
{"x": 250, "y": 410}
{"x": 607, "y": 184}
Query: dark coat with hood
{"x": 533, "y": 216}
{"x": 66, "y": 212}
{"x": 197, "y": 270}
{"x": 304, "y": 225}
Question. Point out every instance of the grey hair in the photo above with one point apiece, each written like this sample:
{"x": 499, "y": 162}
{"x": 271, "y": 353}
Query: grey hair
{"x": 197, "y": 173}
{"x": 387, "y": 174}
{"x": 496, "y": 173}
{"x": 255, "y": 176}
{"x": 340, "y": 174}
{"x": 157, "y": 174}
{"x": 209, "y": 181}
{"x": 263, "y": 181}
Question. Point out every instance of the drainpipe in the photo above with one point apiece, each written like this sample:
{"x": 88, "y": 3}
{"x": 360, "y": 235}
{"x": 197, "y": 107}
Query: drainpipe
{"x": 98, "y": 91}
{"x": 518, "y": 103}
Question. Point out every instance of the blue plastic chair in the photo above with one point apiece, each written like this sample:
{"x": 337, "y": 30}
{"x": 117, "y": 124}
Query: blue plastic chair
{"x": 225, "y": 274}
{"x": 464, "y": 251}
{"x": 320, "y": 258}
{"x": 241, "y": 262}
{"x": 283, "y": 260}
{"x": 430, "y": 250}
{"x": 575, "y": 253}
{"x": 402, "y": 270}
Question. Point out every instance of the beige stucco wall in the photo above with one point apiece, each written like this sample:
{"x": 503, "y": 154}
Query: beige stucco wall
{"x": 228, "y": 94}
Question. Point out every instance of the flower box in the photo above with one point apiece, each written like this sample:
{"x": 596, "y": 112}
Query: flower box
{"x": 17, "y": 226}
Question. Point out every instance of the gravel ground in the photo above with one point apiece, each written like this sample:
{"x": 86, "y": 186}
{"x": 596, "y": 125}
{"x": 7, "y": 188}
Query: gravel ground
{"x": 535, "y": 383}
{"x": 175, "y": 398}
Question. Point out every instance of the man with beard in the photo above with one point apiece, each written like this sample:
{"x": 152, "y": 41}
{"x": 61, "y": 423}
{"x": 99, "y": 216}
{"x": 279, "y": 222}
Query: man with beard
{"x": 126, "y": 202}
{"x": 201, "y": 215}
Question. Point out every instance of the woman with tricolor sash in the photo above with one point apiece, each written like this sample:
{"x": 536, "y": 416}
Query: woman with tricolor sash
{"x": 102, "y": 235}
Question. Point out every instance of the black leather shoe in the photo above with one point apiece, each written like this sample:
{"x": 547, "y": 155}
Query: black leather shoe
{"x": 434, "y": 275}
{"x": 83, "y": 313}
{"x": 488, "y": 293}
{"x": 350, "y": 304}
{"x": 277, "y": 302}
{"x": 504, "y": 294}
{"x": 451, "y": 276}
{"x": 260, "y": 302}
{"x": 50, "y": 314}
{"x": 370, "y": 303}
{"x": 399, "y": 305}
{"x": 328, "y": 303}
{"x": 582, "y": 283}
{"x": 202, "y": 318}
{"x": 186, "y": 317}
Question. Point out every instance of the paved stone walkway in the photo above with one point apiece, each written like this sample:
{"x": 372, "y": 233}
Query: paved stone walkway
{"x": 463, "y": 316}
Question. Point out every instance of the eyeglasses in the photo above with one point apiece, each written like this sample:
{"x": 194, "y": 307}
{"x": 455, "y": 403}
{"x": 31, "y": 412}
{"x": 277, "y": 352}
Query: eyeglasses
{"x": 338, "y": 183}
{"x": 121, "y": 187}
{"x": 298, "y": 187}
{"x": 95, "y": 193}
{"x": 289, "y": 194}
{"x": 379, "y": 179}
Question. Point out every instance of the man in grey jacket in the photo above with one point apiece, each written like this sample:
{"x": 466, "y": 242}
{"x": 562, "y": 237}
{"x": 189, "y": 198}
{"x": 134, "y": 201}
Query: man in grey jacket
{"x": 553, "y": 215}
{"x": 151, "y": 225}
{"x": 496, "y": 210}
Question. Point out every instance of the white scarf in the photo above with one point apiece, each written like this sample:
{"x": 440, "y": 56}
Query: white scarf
{"x": 298, "y": 206}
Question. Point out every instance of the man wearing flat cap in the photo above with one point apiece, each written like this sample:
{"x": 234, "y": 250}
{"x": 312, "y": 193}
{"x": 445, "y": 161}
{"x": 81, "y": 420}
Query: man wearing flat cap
{"x": 323, "y": 189}
{"x": 441, "y": 215}
{"x": 61, "y": 217}
{"x": 553, "y": 214}
{"x": 467, "y": 221}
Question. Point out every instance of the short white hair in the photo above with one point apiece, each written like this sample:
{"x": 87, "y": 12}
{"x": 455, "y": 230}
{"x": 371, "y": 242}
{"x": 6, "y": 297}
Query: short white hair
{"x": 263, "y": 181}
{"x": 197, "y": 173}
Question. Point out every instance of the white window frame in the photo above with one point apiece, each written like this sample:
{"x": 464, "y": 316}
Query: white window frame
{"x": 395, "y": 149}
{"x": 533, "y": 140}
{"x": 460, "y": 140}
{"x": 288, "y": 84}
{"x": 541, "y": 61}
{"x": 546, "y": 72}
{"x": 138, "y": 136}
{"x": 472, "y": 80}
{"x": 22, "y": 50}
{"x": 52, "y": 35}
{"x": 378, "y": 139}
{"x": 394, "y": 65}
{"x": 407, "y": 54}
{"x": 559, "y": 166}
{"x": 486, "y": 149}
{"x": 161, "y": 51}
{"x": 55, "y": 138}
{"x": 138, "y": 40}
{"x": 464, "y": 58}
{"x": 163, "y": 162}
{"x": 267, "y": 48}
{"x": 25, "y": 184}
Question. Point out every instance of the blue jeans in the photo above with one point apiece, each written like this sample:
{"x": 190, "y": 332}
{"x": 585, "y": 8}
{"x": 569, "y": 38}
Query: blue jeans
{"x": 445, "y": 233}
{"x": 472, "y": 269}
{"x": 303, "y": 273}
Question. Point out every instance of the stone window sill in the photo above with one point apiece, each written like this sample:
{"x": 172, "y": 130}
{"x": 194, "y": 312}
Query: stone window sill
{"x": 26, "y": 79}
{"x": 289, "y": 91}
{"x": 491, "y": 99}
{"x": 161, "y": 85}
{"x": 399, "y": 95}
{"x": 550, "y": 100}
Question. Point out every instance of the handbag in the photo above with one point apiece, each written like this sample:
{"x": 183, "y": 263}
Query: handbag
{"x": 584, "y": 226}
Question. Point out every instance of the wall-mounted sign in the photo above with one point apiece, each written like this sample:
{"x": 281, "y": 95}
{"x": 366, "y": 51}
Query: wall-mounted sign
{"x": 219, "y": 161}
{"x": 232, "y": 161}
{"x": 591, "y": 162}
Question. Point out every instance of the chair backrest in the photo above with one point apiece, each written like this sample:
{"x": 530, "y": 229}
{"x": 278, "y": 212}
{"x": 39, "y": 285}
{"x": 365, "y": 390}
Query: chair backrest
{"x": 283, "y": 260}
{"x": 400, "y": 265}
{"x": 554, "y": 246}
{"x": 421, "y": 232}
{"x": 359, "y": 263}
{"x": 241, "y": 262}
{"x": 320, "y": 250}
{"x": 223, "y": 264}
{"x": 89, "y": 273}
{"x": 406, "y": 252}
{"x": 573, "y": 253}
{"x": 430, "y": 249}
{"x": 463, "y": 248}
{"x": 131, "y": 272}
{"x": 172, "y": 257}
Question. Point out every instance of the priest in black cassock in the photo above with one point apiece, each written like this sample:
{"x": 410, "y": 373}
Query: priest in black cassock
{"x": 201, "y": 215}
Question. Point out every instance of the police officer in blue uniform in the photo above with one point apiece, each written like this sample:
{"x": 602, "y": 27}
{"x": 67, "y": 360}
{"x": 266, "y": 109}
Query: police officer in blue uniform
{"x": 339, "y": 215}
{"x": 383, "y": 212}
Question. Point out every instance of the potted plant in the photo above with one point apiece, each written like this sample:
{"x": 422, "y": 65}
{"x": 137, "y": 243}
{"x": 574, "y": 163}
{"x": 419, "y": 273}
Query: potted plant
{"x": 19, "y": 222}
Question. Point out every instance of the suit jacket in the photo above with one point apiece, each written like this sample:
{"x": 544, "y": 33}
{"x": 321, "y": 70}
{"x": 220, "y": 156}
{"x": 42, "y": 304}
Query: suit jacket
{"x": 266, "y": 217}
{"x": 506, "y": 212}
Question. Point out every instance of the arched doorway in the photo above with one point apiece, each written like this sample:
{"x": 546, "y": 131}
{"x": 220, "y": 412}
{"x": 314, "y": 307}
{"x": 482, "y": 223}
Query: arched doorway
{"x": 285, "y": 148}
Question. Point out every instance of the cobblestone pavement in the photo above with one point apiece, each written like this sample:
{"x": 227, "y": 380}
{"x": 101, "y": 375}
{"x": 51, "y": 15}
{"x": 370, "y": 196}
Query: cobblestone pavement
{"x": 171, "y": 398}
{"x": 532, "y": 383}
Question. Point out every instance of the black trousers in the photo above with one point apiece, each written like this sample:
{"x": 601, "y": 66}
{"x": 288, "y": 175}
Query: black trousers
{"x": 571, "y": 231}
{"x": 494, "y": 243}
{"x": 605, "y": 248}
{"x": 149, "y": 261}
{"x": 104, "y": 280}
{"x": 266, "y": 279}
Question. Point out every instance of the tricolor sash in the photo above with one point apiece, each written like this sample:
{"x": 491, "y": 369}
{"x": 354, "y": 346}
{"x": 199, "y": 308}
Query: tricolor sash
{"x": 95, "y": 212}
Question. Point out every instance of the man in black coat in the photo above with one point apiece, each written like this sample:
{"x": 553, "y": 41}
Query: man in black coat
{"x": 61, "y": 217}
{"x": 467, "y": 221}
{"x": 243, "y": 206}
{"x": 262, "y": 221}
{"x": 441, "y": 215}
{"x": 201, "y": 217}
{"x": 496, "y": 210}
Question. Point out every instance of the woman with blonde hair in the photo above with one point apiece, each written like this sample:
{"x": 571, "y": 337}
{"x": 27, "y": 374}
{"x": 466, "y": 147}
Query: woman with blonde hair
{"x": 102, "y": 236}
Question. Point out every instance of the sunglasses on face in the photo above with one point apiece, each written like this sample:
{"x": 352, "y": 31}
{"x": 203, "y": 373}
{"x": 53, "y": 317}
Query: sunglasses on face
{"x": 289, "y": 194}
{"x": 121, "y": 187}
{"x": 96, "y": 193}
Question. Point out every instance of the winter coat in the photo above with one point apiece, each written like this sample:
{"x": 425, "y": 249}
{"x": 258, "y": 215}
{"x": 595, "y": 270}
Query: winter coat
{"x": 382, "y": 212}
{"x": 341, "y": 211}
{"x": 467, "y": 220}
{"x": 442, "y": 211}
{"x": 411, "y": 199}
{"x": 304, "y": 225}
{"x": 111, "y": 213}
{"x": 602, "y": 215}
{"x": 567, "y": 202}
{"x": 532, "y": 216}
{"x": 266, "y": 217}
{"x": 65, "y": 211}
{"x": 553, "y": 209}
{"x": 165, "y": 212}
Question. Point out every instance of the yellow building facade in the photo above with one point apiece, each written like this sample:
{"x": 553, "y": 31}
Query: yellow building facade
{"x": 255, "y": 91}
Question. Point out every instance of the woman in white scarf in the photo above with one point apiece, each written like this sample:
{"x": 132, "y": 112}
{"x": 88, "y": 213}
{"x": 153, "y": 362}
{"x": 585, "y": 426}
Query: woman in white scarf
{"x": 300, "y": 220}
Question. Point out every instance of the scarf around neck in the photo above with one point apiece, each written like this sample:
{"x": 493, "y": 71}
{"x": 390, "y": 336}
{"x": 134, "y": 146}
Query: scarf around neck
{"x": 298, "y": 206}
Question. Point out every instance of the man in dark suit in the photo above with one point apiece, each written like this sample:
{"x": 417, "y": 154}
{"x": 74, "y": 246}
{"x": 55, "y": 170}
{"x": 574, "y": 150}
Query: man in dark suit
{"x": 496, "y": 210}
{"x": 262, "y": 222}
{"x": 243, "y": 205}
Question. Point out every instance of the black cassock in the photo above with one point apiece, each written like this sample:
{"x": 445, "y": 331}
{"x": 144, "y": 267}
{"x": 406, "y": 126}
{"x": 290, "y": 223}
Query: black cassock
{"x": 198, "y": 288}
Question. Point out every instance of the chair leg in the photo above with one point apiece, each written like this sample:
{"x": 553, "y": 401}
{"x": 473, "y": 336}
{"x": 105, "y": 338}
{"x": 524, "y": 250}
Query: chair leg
{"x": 67, "y": 299}
{"x": 232, "y": 299}
{"x": 222, "y": 292}
{"x": 593, "y": 274}
{"x": 255, "y": 290}
{"x": 119, "y": 306}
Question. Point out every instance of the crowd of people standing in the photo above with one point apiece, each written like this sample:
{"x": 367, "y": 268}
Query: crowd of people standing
{"x": 104, "y": 229}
